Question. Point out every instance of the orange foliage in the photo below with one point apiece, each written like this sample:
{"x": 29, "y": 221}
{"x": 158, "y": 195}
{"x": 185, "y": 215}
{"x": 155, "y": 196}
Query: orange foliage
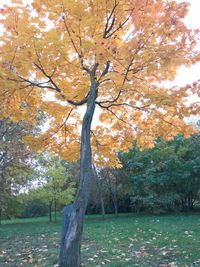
{"x": 51, "y": 45}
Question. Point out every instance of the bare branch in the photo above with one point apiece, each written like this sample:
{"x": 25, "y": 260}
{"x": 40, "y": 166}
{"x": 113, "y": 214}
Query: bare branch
{"x": 122, "y": 120}
{"x": 84, "y": 67}
{"x": 60, "y": 127}
{"x": 105, "y": 80}
{"x": 96, "y": 140}
{"x": 118, "y": 28}
{"x": 110, "y": 101}
{"x": 48, "y": 76}
{"x": 123, "y": 104}
{"x": 37, "y": 84}
{"x": 94, "y": 69}
{"x": 105, "y": 71}
{"x": 70, "y": 36}
{"x": 78, "y": 103}
{"x": 110, "y": 22}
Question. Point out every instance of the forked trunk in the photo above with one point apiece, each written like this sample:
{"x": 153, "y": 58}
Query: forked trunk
{"x": 73, "y": 214}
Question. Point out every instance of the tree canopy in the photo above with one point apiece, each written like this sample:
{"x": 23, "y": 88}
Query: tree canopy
{"x": 128, "y": 48}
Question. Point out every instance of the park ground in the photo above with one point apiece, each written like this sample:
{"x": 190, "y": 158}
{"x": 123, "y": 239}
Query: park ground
{"x": 127, "y": 241}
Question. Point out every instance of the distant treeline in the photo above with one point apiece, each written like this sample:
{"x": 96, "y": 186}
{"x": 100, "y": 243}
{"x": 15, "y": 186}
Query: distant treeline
{"x": 162, "y": 179}
{"x": 165, "y": 178}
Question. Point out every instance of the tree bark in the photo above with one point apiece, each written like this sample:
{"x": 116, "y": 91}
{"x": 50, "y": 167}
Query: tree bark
{"x": 73, "y": 214}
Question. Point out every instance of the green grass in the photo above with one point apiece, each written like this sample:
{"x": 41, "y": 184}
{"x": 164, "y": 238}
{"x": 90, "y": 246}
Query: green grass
{"x": 126, "y": 241}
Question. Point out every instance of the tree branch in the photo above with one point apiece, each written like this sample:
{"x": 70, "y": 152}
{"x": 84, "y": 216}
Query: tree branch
{"x": 110, "y": 101}
{"x": 96, "y": 140}
{"x": 63, "y": 124}
{"x": 122, "y": 104}
{"x": 107, "y": 27}
{"x": 70, "y": 36}
{"x": 110, "y": 22}
{"x": 105, "y": 71}
{"x": 39, "y": 84}
{"x": 107, "y": 108}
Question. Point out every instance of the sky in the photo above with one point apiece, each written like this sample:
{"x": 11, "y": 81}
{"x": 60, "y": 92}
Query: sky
{"x": 184, "y": 75}
{"x": 188, "y": 75}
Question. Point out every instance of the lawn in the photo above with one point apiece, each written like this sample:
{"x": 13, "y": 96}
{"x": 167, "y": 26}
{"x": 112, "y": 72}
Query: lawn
{"x": 126, "y": 241}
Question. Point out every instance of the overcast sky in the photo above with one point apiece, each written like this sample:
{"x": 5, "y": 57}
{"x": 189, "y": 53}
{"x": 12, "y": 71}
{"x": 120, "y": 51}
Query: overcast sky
{"x": 185, "y": 75}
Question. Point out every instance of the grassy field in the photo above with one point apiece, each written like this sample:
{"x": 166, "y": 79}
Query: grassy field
{"x": 126, "y": 241}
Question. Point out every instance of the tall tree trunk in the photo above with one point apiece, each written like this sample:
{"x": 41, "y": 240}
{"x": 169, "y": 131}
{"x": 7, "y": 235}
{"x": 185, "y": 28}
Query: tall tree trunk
{"x": 99, "y": 192}
{"x": 102, "y": 206}
{"x": 115, "y": 208}
{"x": 73, "y": 214}
{"x": 55, "y": 207}
{"x": 50, "y": 211}
{"x": 113, "y": 195}
{"x": 115, "y": 198}
{"x": 0, "y": 215}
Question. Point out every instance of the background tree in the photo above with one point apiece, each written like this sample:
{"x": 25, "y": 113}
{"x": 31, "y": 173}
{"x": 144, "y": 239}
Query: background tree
{"x": 55, "y": 189}
{"x": 96, "y": 198}
{"x": 15, "y": 165}
{"x": 99, "y": 190}
{"x": 110, "y": 54}
{"x": 165, "y": 177}
{"x": 116, "y": 188}
{"x": 32, "y": 205}
{"x": 110, "y": 192}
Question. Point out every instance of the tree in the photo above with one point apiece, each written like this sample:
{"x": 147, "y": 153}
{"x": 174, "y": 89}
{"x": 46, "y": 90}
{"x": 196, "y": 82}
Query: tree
{"x": 15, "y": 164}
{"x": 117, "y": 187}
{"x": 112, "y": 186}
{"x": 99, "y": 191}
{"x": 55, "y": 188}
{"x": 32, "y": 206}
{"x": 107, "y": 54}
{"x": 166, "y": 176}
